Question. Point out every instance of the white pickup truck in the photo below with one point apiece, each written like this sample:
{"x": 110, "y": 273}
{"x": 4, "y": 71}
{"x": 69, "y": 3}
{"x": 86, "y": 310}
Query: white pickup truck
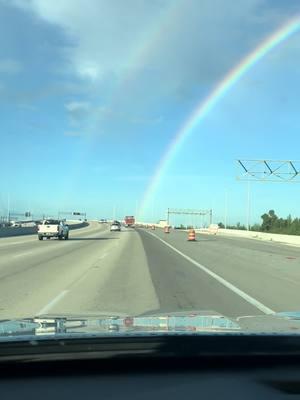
{"x": 53, "y": 228}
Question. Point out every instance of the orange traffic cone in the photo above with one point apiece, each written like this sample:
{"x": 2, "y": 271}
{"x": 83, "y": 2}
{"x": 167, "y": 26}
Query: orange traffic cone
{"x": 192, "y": 235}
{"x": 167, "y": 229}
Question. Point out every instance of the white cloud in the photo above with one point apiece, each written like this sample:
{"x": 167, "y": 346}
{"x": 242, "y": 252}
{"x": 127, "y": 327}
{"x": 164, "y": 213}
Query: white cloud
{"x": 129, "y": 55}
{"x": 9, "y": 66}
{"x": 177, "y": 42}
{"x": 88, "y": 70}
{"x": 75, "y": 106}
{"x": 78, "y": 112}
{"x": 107, "y": 33}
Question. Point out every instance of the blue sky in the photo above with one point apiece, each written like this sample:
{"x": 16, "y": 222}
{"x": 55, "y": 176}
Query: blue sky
{"x": 90, "y": 98}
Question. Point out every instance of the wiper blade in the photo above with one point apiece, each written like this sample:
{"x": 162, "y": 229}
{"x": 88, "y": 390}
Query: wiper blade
{"x": 171, "y": 322}
{"x": 38, "y": 326}
{"x": 191, "y": 322}
{"x": 17, "y": 327}
{"x": 160, "y": 323}
{"x": 48, "y": 326}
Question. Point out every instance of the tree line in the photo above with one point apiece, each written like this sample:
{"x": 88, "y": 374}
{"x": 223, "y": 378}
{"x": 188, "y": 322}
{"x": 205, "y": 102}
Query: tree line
{"x": 273, "y": 224}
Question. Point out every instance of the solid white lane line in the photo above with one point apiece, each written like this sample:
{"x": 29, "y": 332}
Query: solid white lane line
{"x": 56, "y": 299}
{"x": 221, "y": 280}
{"x": 23, "y": 254}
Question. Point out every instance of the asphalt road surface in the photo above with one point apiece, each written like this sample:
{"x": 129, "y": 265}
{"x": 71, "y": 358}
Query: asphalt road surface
{"x": 143, "y": 271}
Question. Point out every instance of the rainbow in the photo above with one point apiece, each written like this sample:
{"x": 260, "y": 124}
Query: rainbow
{"x": 206, "y": 105}
{"x": 148, "y": 40}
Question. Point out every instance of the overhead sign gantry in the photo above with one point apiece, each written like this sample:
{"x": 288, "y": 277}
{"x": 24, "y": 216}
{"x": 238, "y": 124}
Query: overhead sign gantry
{"x": 182, "y": 211}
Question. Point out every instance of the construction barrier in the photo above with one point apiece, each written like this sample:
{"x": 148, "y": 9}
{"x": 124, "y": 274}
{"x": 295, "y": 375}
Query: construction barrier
{"x": 191, "y": 235}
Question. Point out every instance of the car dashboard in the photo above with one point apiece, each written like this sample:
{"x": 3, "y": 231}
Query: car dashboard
{"x": 153, "y": 368}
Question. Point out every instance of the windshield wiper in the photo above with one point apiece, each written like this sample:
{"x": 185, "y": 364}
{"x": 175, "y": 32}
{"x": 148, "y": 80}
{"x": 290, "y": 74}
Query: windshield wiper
{"x": 39, "y": 326}
{"x": 159, "y": 323}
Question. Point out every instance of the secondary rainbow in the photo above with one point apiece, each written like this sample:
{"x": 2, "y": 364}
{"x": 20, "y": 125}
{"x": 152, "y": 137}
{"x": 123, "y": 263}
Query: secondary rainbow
{"x": 206, "y": 105}
{"x": 146, "y": 42}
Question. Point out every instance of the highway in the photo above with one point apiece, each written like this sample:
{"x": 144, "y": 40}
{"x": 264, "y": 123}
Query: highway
{"x": 142, "y": 271}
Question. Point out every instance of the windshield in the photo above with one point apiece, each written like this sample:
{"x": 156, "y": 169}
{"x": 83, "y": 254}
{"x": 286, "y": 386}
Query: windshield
{"x": 179, "y": 118}
{"x": 51, "y": 222}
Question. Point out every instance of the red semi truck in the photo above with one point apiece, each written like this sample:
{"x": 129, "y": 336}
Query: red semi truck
{"x": 129, "y": 220}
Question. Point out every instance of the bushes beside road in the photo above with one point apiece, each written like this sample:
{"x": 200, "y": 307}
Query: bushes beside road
{"x": 271, "y": 223}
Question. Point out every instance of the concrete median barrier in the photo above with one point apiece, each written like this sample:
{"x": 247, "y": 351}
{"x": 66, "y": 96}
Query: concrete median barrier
{"x": 292, "y": 240}
{"x": 20, "y": 231}
{"x": 17, "y": 231}
{"x": 77, "y": 226}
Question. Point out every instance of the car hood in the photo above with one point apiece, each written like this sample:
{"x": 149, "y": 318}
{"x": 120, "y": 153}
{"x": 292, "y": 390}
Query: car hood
{"x": 182, "y": 323}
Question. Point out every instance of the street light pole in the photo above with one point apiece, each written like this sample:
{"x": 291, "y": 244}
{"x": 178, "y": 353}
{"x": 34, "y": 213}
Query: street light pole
{"x": 153, "y": 213}
{"x": 210, "y": 217}
{"x": 226, "y": 209}
{"x": 8, "y": 208}
{"x": 248, "y": 207}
